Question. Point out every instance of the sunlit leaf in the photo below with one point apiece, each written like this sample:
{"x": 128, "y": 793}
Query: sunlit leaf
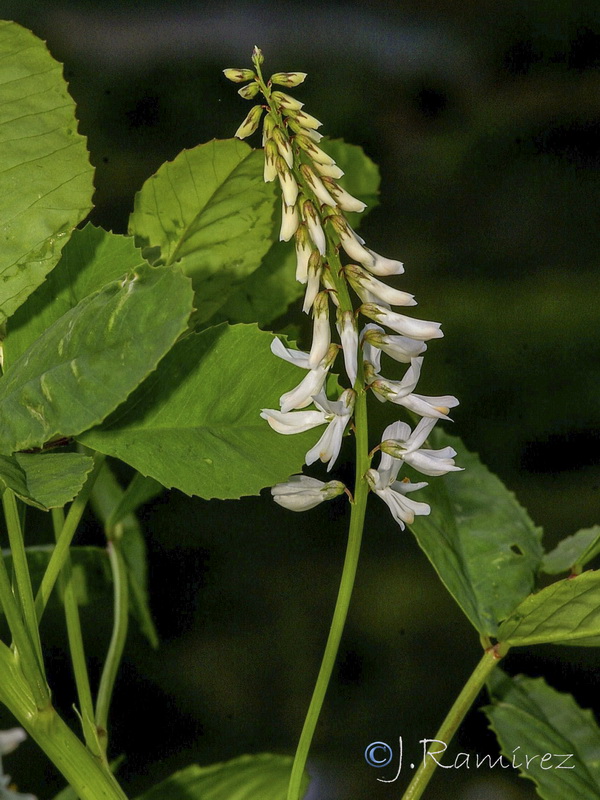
{"x": 480, "y": 540}
{"x": 45, "y": 175}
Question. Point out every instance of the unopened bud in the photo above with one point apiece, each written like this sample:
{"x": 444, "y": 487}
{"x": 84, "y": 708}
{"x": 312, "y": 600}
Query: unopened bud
{"x": 286, "y": 102}
{"x": 257, "y": 56}
{"x": 288, "y": 79}
{"x": 271, "y": 156}
{"x": 284, "y": 146}
{"x": 297, "y": 128}
{"x": 316, "y": 185}
{"x": 249, "y": 91}
{"x": 250, "y": 124}
{"x": 306, "y": 120}
{"x": 239, "y": 75}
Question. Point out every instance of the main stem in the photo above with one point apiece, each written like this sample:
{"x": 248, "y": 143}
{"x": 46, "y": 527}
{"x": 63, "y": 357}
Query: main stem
{"x": 455, "y": 716}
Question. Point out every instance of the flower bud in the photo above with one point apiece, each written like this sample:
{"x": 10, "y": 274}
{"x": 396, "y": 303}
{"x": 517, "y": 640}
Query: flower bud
{"x": 257, "y": 56}
{"x": 284, "y": 146}
{"x": 321, "y": 329}
{"x": 316, "y": 185}
{"x": 308, "y": 132}
{"x": 306, "y": 120}
{"x": 250, "y": 124}
{"x": 249, "y": 91}
{"x": 313, "y": 222}
{"x": 290, "y": 219}
{"x": 289, "y": 187}
{"x": 313, "y": 282}
{"x": 269, "y": 126}
{"x": 309, "y": 147}
{"x": 303, "y": 251}
{"x": 239, "y": 75}
{"x": 346, "y": 326}
{"x": 286, "y": 102}
{"x": 288, "y": 79}
{"x": 271, "y": 156}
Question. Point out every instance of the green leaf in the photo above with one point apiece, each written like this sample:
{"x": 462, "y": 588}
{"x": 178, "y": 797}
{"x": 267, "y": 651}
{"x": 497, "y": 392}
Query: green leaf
{"x": 91, "y": 258}
{"x": 45, "y": 480}
{"x": 267, "y": 292}
{"x": 201, "y": 431}
{"x": 481, "y": 542}
{"x": 45, "y": 175}
{"x": 257, "y": 777}
{"x": 115, "y": 510}
{"x": 561, "y": 740}
{"x": 89, "y": 361}
{"x": 566, "y": 612}
{"x": 209, "y": 211}
{"x": 92, "y": 577}
{"x": 574, "y": 552}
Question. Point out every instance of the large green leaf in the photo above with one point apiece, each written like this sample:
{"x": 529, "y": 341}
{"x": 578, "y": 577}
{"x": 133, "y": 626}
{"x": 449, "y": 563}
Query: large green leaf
{"x": 209, "y": 211}
{"x": 45, "y": 480}
{"x": 115, "y": 508}
{"x": 92, "y": 577}
{"x": 267, "y": 292}
{"x": 258, "y": 777}
{"x": 573, "y": 551}
{"x": 555, "y": 743}
{"x": 567, "y": 612}
{"x": 87, "y": 363}
{"x": 480, "y": 540}
{"x": 91, "y": 258}
{"x": 45, "y": 175}
{"x": 200, "y": 431}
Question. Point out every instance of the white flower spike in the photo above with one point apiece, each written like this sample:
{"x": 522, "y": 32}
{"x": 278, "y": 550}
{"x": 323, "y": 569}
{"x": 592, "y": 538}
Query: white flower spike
{"x": 400, "y": 443}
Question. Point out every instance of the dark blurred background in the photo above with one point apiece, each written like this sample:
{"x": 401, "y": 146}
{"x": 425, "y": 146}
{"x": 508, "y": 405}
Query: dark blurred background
{"x": 484, "y": 118}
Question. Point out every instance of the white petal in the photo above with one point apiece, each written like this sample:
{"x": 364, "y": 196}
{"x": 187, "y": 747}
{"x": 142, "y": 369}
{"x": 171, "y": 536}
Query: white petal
{"x": 301, "y": 396}
{"x": 328, "y": 446}
{"x": 430, "y": 463}
{"x": 10, "y": 739}
{"x": 384, "y": 267}
{"x": 296, "y": 357}
{"x": 290, "y": 219}
{"x": 293, "y": 421}
{"x": 429, "y": 406}
{"x": 321, "y": 340}
{"x": 301, "y": 492}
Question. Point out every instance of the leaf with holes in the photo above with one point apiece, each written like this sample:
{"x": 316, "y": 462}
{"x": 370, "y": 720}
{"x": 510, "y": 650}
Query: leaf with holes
{"x": 210, "y": 212}
{"x": 480, "y": 540}
{"x": 45, "y": 174}
{"x": 92, "y": 357}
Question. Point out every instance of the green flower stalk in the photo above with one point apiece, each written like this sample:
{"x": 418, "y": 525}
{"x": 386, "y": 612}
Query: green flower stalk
{"x": 337, "y": 267}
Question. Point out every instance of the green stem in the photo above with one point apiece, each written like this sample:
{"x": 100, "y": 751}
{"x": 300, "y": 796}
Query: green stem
{"x": 24, "y": 650}
{"x": 449, "y": 726}
{"x": 79, "y": 767}
{"x": 76, "y": 647}
{"x": 117, "y": 642}
{"x": 61, "y": 551}
{"x": 21, "y": 573}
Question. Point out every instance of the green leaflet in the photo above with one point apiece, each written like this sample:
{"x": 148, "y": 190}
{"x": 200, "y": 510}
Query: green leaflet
{"x": 92, "y": 577}
{"x": 266, "y": 293}
{"x": 533, "y": 720}
{"x": 45, "y": 480}
{"x": 566, "y": 612}
{"x": 210, "y": 212}
{"x": 481, "y": 542}
{"x": 201, "y": 431}
{"x": 257, "y": 777}
{"x": 45, "y": 175}
{"x": 93, "y": 356}
{"x": 115, "y": 508}
{"x": 91, "y": 258}
{"x": 573, "y": 551}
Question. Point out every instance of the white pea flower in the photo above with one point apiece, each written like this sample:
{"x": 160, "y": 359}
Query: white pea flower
{"x": 407, "y": 326}
{"x": 301, "y": 493}
{"x": 338, "y": 414}
{"x": 271, "y": 156}
{"x": 296, "y": 357}
{"x": 284, "y": 146}
{"x": 316, "y": 184}
{"x": 329, "y": 170}
{"x": 302, "y": 395}
{"x": 346, "y": 327}
{"x": 307, "y": 120}
{"x": 290, "y": 219}
{"x": 393, "y": 493}
{"x": 250, "y": 124}
{"x": 400, "y": 348}
{"x": 384, "y": 267}
{"x": 371, "y": 354}
{"x": 400, "y": 443}
{"x": 343, "y": 198}
{"x": 371, "y": 290}
{"x": 321, "y": 329}
{"x": 350, "y": 241}
{"x": 313, "y": 281}
{"x": 396, "y": 391}
{"x": 286, "y": 101}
